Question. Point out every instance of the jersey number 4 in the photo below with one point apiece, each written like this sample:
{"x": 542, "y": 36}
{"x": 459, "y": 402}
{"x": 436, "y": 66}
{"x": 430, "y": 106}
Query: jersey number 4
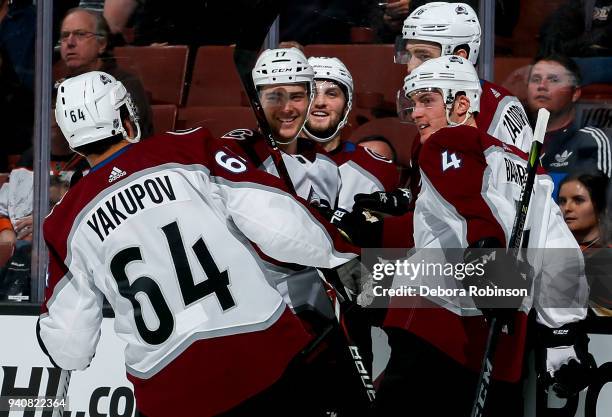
{"x": 216, "y": 283}
{"x": 450, "y": 161}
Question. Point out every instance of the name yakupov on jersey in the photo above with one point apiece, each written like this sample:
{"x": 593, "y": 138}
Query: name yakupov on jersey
{"x": 362, "y": 171}
{"x": 169, "y": 230}
{"x": 471, "y": 183}
{"x": 313, "y": 173}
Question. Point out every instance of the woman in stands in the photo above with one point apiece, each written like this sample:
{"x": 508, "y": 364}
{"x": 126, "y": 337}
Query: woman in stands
{"x": 582, "y": 199}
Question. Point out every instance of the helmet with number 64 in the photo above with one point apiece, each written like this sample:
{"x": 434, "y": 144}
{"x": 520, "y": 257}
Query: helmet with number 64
{"x": 90, "y": 108}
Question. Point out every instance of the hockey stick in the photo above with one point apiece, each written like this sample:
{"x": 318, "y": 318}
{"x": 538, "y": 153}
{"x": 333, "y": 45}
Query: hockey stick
{"x": 62, "y": 393}
{"x": 245, "y": 57}
{"x": 486, "y": 370}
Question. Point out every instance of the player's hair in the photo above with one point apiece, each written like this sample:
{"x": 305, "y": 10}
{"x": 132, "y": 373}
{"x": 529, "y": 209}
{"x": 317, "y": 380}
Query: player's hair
{"x": 596, "y": 184}
{"x": 565, "y": 61}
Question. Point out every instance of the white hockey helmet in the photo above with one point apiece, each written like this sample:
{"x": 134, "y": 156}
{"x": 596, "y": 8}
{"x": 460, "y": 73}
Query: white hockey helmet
{"x": 448, "y": 74}
{"x": 447, "y": 24}
{"x": 331, "y": 68}
{"x": 283, "y": 66}
{"x": 88, "y": 109}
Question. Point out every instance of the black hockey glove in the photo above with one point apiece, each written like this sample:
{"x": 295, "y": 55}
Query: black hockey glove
{"x": 360, "y": 227}
{"x": 395, "y": 203}
{"x": 497, "y": 281}
{"x": 565, "y": 363}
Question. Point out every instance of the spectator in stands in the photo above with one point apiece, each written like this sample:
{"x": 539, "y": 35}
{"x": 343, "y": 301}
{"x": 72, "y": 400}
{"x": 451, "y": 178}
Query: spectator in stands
{"x": 554, "y": 84}
{"x": 582, "y": 199}
{"x": 84, "y": 47}
{"x": 380, "y": 145}
{"x": 581, "y": 28}
{"x": 16, "y": 114}
{"x": 394, "y": 13}
{"x": 17, "y": 35}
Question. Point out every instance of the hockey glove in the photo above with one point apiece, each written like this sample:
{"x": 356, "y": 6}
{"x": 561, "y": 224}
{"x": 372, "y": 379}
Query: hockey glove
{"x": 395, "y": 203}
{"x": 498, "y": 280}
{"x": 565, "y": 363}
{"x": 360, "y": 227}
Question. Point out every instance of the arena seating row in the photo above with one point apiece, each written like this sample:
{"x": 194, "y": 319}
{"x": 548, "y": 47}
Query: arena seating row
{"x": 211, "y": 93}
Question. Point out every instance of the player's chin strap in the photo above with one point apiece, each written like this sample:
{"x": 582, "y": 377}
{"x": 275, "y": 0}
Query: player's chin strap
{"x": 280, "y": 142}
{"x": 451, "y": 123}
{"x": 340, "y": 125}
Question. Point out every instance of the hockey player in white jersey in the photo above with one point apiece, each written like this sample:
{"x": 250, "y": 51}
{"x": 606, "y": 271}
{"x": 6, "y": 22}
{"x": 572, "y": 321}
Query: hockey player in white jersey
{"x": 169, "y": 230}
{"x": 445, "y": 29}
{"x": 471, "y": 182}
{"x": 439, "y": 29}
{"x": 361, "y": 170}
{"x": 284, "y": 81}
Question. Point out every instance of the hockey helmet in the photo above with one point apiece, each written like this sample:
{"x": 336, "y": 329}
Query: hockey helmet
{"x": 331, "y": 68}
{"x": 449, "y": 75}
{"x": 88, "y": 109}
{"x": 283, "y": 66}
{"x": 447, "y": 24}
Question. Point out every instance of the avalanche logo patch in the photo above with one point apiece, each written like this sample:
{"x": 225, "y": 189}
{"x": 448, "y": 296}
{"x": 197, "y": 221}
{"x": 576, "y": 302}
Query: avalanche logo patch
{"x": 378, "y": 156}
{"x": 461, "y": 10}
{"x": 105, "y": 80}
{"x": 238, "y": 134}
{"x": 115, "y": 174}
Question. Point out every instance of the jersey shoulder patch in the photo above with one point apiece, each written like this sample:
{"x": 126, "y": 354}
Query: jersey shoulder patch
{"x": 376, "y": 156}
{"x": 182, "y": 132}
{"x": 239, "y": 134}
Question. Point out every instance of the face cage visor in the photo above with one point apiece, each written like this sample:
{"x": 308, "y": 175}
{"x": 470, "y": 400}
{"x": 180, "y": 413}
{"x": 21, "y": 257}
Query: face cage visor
{"x": 421, "y": 98}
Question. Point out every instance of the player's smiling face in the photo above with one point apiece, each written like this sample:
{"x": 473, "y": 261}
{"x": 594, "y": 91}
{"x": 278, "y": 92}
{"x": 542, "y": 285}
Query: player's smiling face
{"x": 285, "y": 107}
{"x": 327, "y": 108}
{"x": 428, "y": 112}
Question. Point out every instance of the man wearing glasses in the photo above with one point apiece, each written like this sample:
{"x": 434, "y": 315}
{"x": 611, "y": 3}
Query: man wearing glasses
{"x": 84, "y": 47}
{"x": 554, "y": 84}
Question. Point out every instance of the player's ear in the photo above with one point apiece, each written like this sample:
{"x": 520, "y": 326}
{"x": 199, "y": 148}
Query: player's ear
{"x": 462, "y": 53}
{"x": 461, "y": 105}
{"x": 102, "y": 45}
{"x": 129, "y": 127}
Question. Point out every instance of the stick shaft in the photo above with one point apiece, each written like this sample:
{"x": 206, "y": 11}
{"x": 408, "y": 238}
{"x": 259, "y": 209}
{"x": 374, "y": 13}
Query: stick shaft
{"x": 514, "y": 243}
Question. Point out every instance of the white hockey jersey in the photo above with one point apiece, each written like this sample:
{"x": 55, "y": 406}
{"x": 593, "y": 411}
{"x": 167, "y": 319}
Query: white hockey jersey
{"x": 362, "y": 171}
{"x": 169, "y": 231}
{"x": 502, "y": 116}
{"x": 470, "y": 185}
{"x": 314, "y": 175}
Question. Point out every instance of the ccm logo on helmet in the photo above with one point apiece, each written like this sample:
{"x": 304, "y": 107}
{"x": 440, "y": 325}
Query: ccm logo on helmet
{"x": 281, "y": 70}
